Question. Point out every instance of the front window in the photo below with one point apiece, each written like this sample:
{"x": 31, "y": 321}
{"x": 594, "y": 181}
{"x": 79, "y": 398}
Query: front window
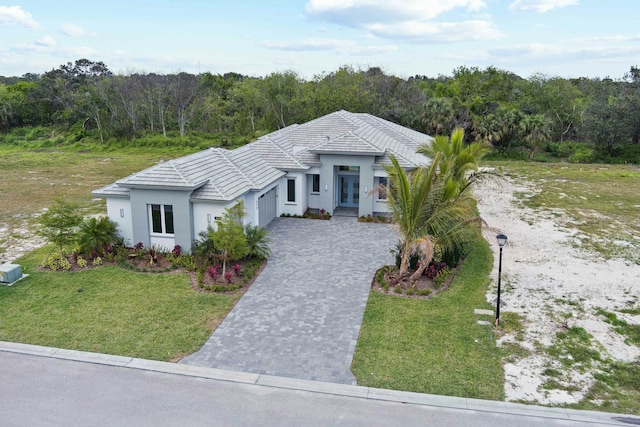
{"x": 291, "y": 190}
{"x": 161, "y": 219}
{"x": 382, "y": 194}
{"x": 316, "y": 184}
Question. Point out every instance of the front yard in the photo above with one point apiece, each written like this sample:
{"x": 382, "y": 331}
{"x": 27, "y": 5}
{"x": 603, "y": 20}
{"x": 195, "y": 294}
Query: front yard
{"x": 433, "y": 345}
{"x": 110, "y": 310}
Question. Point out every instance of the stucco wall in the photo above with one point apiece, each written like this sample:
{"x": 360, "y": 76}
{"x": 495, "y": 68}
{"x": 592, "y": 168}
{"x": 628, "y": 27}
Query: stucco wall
{"x": 182, "y": 215}
{"x": 300, "y": 205}
{"x": 328, "y": 180}
{"x": 202, "y": 211}
{"x": 125, "y": 229}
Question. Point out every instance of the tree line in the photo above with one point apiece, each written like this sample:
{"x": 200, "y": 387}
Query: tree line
{"x": 491, "y": 105}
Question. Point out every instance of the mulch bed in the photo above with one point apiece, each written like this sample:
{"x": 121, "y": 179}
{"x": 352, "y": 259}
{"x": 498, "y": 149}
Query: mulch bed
{"x": 208, "y": 281}
{"x": 423, "y": 288}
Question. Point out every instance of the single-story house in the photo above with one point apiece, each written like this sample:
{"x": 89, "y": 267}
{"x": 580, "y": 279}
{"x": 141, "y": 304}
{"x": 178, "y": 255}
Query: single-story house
{"x": 327, "y": 163}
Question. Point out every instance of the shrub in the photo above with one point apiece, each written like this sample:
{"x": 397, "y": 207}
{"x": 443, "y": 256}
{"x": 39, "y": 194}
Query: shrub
{"x": 97, "y": 261}
{"x": 213, "y": 271}
{"x": 64, "y": 264}
{"x": 200, "y": 277}
{"x": 424, "y": 292}
{"x": 95, "y": 235}
{"x": 177, "y": 250}
{"x": 257, "y": 241}
{"x": 434, "y": 269}
{"x": 228, "y": 276}
{"x": 82, "y": 263}
{"x": 236, "y": 270}
{"x": 56, "y": 262}
{"x": 442, "y": 277}
{"x": 398, "y": 289}
{"x": 414, "y": 259}
{"x": 583, "y": 155}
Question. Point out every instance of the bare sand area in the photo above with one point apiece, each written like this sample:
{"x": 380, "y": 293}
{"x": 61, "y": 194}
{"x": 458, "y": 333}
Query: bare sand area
{"x": 554, "y": 285}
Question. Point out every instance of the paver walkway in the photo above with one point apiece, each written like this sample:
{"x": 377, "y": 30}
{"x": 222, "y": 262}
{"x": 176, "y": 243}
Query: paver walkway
{"x": 301, "y": 317}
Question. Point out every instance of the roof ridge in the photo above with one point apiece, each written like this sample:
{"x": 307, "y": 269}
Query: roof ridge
{"x": 235, "y": 167}
{"x": 282, "y": 151}
{"x": 348, "y": 116}
{"x": 173, "y": 165}
{"x": 391, "y": 126}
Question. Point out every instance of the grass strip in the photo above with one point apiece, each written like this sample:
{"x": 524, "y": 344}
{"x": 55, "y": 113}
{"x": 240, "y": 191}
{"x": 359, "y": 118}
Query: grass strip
{"x": 435, "y": 345}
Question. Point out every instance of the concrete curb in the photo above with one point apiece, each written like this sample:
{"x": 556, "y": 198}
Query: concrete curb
{"x": 602, "y": 418}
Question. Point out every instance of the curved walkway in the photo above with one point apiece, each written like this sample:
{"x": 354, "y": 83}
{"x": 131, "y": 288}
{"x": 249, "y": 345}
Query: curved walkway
{"x": 301, "y": 317}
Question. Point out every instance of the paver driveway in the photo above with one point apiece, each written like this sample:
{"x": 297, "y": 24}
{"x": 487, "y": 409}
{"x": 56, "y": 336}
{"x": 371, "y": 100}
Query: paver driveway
{"x": 302, "y": 316}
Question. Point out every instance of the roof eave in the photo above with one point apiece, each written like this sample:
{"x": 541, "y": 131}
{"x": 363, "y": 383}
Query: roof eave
{"x": 348, "y": 153}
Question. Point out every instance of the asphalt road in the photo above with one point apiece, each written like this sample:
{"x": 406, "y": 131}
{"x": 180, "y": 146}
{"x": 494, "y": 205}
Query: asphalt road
{"x": 47, "y": 391}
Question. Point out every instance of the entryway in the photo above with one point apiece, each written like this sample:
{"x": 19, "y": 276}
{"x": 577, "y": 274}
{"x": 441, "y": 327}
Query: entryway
{"x": 349, "y": 191}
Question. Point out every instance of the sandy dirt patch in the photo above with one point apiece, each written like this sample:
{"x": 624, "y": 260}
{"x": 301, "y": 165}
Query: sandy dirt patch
{"x": 554, "y": 285}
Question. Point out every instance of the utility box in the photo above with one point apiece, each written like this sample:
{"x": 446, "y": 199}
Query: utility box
{"x": 9, "y": 273}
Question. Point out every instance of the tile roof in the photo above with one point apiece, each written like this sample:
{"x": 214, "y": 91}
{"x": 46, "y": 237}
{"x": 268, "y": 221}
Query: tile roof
{"x": 214, "y": 174}
{"x": 219, "y": 174}
{"x": 342, "y": 132}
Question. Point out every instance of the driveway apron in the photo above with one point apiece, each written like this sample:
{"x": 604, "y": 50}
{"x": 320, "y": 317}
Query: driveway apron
{"x": 301, "y": 318}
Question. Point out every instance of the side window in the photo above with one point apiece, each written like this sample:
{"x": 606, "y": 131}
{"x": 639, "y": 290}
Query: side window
{"x": 381, "y": 194}
{"x": 291, "y": 190}
{"x": 161, "y": 219}
{"x": 316, "y": 184}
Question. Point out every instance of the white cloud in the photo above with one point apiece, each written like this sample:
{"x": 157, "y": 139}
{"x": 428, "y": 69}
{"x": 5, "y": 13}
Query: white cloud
{"x": 359, "y": 12}
{"x": 541, "y": 6}
{"x": 571, "y": 50}
{"x": 435, "y": 32}
{"x": 72, "y": 30}
{"x": 14, "y": 15}
{"x": 411, "y": 20}
{"x": 46, "y": 41}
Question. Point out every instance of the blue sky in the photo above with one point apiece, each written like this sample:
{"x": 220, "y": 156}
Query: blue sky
{"x": 567, "y": 38}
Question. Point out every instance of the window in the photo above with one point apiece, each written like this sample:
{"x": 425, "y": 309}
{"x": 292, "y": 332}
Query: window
{"x": 291, "y": 190}
{"x": 316, "y": 184}
{"x": 162, "y": 219}
{"x": 382, "y": 195}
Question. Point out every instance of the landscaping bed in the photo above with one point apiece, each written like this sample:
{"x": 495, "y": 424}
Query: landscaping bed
{"x": 436, "y": 278}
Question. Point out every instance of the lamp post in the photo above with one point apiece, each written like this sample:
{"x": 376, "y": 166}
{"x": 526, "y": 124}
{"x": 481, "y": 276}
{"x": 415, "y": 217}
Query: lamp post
{"x": 502, "y": 239}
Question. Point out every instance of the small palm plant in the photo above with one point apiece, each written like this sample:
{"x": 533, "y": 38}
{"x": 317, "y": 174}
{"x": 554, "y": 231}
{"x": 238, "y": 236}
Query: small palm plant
{"x": 257, "y": 241}
{"x": 95, "y": 234}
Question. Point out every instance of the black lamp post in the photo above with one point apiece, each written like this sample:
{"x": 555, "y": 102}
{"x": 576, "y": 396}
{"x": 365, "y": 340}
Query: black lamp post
{"x": 502, "y": 239}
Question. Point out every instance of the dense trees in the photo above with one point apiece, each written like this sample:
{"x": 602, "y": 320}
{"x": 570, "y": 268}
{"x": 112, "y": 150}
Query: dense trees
{"x": 490, "y": 105}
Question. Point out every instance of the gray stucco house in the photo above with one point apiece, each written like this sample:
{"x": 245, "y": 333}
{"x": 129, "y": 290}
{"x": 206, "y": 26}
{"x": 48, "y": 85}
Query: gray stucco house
{"x": 329, "y": 162}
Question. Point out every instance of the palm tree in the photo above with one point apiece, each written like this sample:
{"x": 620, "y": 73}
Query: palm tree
{"x": 257, "y": 241}
{"x": 428, "y": 211}
{"x": 459, "y": 161}
{"x": 95, "y": 234}
{"x": 537, "y": 131}
{"x": 438, "y": 114}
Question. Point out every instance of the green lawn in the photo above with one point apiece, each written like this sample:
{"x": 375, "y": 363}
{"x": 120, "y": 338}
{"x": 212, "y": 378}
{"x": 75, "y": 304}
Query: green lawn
{"x": 433, "y": 346}
{"x": 110, "y": 310}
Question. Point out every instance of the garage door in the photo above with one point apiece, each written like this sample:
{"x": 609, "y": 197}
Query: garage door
{"x": 267, "y": 207}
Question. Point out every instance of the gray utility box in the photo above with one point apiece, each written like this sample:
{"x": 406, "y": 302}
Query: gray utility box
{"x": 9, "y": 273}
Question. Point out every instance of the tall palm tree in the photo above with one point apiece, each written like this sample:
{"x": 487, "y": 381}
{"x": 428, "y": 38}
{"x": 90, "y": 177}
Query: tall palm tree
{"x": 428, "y": 211}
{"x": 537, "y": 130}
{"x": 438, "y": 115}
{"x": 459, "y": 161}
